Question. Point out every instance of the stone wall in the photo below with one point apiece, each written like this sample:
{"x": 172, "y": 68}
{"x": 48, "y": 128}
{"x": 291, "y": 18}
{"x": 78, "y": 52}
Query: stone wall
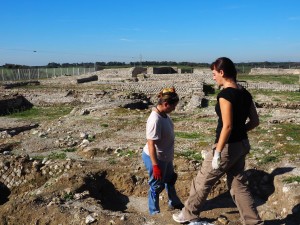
{"x": 273, "y": 71}
{"x": 112, "y": 73}
{"x": 184, "y": 83}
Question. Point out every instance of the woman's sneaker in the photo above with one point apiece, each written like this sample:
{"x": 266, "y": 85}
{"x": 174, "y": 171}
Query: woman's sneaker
{"x": 200, "y": 223}
{"x": 179, "y": 218}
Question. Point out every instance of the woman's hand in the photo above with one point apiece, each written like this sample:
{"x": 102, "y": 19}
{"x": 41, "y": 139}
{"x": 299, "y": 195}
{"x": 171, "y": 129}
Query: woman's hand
{"x": 216, "y": 160}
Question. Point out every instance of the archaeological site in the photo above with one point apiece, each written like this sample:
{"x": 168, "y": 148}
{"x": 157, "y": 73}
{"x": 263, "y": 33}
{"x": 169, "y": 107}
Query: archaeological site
{"x": 70, "y": 148}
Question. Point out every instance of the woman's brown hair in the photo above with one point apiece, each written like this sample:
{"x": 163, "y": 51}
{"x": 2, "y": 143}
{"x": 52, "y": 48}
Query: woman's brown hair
{"x": 226, "y": 65}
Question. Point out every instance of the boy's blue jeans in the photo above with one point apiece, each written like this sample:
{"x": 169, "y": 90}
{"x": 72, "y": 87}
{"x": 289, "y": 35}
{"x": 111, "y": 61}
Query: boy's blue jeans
{"x": 157, "y": 186}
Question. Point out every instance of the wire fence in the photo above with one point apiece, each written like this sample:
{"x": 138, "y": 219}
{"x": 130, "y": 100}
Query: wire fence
{"x": 41, "y": 73}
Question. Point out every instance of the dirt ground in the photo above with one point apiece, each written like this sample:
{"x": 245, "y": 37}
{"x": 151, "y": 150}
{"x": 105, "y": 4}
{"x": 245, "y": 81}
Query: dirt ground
{"x": 85, "y": 167}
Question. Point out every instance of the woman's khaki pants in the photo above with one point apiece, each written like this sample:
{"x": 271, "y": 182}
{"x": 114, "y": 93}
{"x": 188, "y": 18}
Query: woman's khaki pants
{"x": 232, "y": 163}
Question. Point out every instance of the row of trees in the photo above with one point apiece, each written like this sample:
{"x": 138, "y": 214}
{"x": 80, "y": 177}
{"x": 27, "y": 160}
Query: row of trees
{"x": 100, "y": 65}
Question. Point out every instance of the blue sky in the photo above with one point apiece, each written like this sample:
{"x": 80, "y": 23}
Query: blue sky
{"x": 36, "y": 32}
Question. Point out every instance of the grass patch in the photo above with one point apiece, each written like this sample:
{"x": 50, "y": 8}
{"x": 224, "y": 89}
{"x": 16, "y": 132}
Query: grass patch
{"x": 68, "y": 197}
{"x": 270, "y": 158}
{"x": 57, "y": 155}
{"x": 203, "y": 144}
{"x": 38, "y": 157}
{"x": 70, "y": 150}
{"x": 190, "y": 155}
{"x": 112, "y": 161}
{"x": 53, "y": 155}
{"x": 186, "y": 135}
{"x": 292, "y": 179}
{"x": 91, "y": 138}
{"x": 284, "y": 96}
{"x": 282, "y": 79}
{"x": 42, "y": 113}
{"x": 128, "y": 153}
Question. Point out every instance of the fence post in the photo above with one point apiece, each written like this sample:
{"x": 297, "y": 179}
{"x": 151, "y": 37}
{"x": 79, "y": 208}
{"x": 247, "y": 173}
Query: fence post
{"x": 47, "y": 72}
{"x": 29, "y": 74}
{"x": 19, "y": 74}
{"x": 38, "y": 73}
{"x": 78, "y": 71}
{"x": 2, "y": 75}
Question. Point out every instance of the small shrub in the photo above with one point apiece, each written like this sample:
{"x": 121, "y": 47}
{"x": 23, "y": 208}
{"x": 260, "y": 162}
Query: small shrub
{"x": 91, "y": 138}
{"x": 292, "y": 179}
{"x": 128, "y": 153}
{"x": 268, "y": 159}
{"x": 68, "y": 197}
{"x": 70, "y": 150}
{"x": 112, "y": 161}
{"x": 190, "y": 155}
{"x": 57, "y": 155}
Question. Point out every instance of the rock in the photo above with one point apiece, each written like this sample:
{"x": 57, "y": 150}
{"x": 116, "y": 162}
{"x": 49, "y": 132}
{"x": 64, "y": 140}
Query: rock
{"x": 89, "y": 219}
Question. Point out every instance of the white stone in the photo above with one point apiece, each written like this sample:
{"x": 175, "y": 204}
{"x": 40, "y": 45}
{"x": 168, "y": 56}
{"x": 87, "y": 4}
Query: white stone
{"x": 89, "y": 219}
{"x": 285, "y": 189}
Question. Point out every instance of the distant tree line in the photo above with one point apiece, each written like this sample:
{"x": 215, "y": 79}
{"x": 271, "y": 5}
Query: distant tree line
{"x": 102, "y": 65}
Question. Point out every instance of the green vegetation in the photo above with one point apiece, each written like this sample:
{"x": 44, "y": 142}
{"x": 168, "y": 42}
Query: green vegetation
{"x": 292, "y": 179}
{"x": 204, "y": 144}
{"x": 52, "y": 155}
{"x": 283, "y": 79}
{"x": 112, "y": 161}
{"x": 275, "y": 141}
{"x": 38, "y": 157}
{"x": 70, "y": 150}
{"x": 190, "y": 155}
{"x": 270, "y": 158}
{"x": 57, "y": 155}
{"x": 42, "y": 113}
{"x": 283, "y": 96}
{"x": 91, "y": 138}
{"x": 187, "y": 135}
{"x": 127, "y": 153}
{"x": 68, "y": 196}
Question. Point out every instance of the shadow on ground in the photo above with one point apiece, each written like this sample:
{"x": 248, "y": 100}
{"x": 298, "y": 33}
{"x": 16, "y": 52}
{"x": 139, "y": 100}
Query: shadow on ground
{"x": 4, "y": 193}
{"x": 103, "y": 190}
{"x": 261, "y": 185}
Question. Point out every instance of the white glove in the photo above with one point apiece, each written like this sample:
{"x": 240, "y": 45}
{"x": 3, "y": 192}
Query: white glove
{"x": 216, "y": 160}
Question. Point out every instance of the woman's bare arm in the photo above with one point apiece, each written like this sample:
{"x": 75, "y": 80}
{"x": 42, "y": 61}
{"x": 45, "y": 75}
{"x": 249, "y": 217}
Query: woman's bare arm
{"x": 253, "y": 118}
{"x": 227, "y": 118}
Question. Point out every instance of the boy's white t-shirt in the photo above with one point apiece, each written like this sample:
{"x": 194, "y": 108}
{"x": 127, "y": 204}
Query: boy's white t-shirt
{"x": 161, "y": 130}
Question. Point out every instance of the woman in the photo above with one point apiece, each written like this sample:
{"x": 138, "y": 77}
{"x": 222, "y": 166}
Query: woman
{"x": 158, "y": 153}
{"x": 234, "y": 106}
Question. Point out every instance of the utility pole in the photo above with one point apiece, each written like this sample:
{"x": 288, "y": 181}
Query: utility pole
{"x": 141, "y": 57}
